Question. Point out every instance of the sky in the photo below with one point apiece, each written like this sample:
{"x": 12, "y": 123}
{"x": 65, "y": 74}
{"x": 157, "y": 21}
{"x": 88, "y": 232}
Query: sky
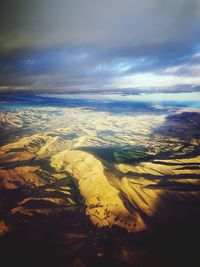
{"x": 95, "y": 46}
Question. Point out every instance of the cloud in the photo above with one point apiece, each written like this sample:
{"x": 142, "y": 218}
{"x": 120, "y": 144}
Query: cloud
{"x": 107, "y": 23}
{"x": 94, "y": 45}
{"x": 151, "y": 80}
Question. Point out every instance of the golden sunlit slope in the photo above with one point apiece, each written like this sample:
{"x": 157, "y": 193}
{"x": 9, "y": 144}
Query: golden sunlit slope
{"x": 103, "y": 201}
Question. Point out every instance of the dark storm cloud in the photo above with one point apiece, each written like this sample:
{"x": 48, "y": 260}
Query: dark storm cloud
{"x": 89, "y": 44}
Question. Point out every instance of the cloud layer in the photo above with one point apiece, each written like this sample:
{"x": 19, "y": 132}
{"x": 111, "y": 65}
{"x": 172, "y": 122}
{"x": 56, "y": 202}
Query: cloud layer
{"x": 90, "y": 45}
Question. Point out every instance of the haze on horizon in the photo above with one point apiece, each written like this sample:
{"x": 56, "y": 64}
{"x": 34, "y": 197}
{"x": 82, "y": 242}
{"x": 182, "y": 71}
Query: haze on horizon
{"x": 100, "y": 46}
